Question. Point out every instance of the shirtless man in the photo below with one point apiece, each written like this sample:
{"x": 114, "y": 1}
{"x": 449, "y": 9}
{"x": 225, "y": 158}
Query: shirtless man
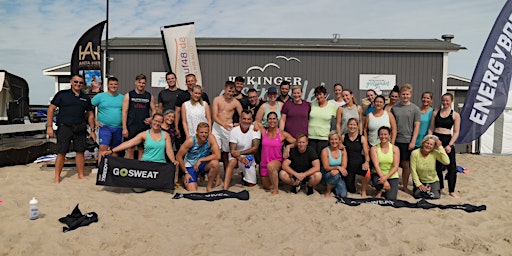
{"x": 224, "y": 108}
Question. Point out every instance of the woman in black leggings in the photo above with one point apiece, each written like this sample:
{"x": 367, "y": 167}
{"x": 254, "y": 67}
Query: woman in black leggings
{"x": 441, "y": 125}
{"x": 358, "y": 157}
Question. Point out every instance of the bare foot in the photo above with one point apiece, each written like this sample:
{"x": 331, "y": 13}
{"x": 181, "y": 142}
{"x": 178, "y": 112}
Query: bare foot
{"x": 363, "y": 194}
{"x": 274, "y": 192}
{"x": 406, "y": 190}
{"x": 452, "y": 194}
{"x": 328, "y": 195}
{"x": 379, "y": 195}
{"x": 208, "y": 189}
{"x": 56, "y": 181}
{"x": 218, "y": 182}
{"x": 82, "y": 178}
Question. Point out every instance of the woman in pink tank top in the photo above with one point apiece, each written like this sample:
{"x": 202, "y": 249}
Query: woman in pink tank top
{"x": 272, "y": 152}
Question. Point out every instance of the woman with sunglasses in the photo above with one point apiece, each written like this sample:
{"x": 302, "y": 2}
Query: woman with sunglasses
{"x": 272, "y": 105}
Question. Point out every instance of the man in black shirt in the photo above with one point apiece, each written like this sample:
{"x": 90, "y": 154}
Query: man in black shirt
{"x": 167, "y": 98}
{"x": 74, "y": 109}
{"x": 242, "y": 98}
{"x": 303, "y": 165}
{"x": 254, "y": 102}
{"x": 284, "y": 89}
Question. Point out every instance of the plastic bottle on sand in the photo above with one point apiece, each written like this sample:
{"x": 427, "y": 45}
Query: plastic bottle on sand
{"x": 34, "y": 211}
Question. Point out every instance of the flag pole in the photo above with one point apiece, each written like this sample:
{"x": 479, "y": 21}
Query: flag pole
{"x": 106, "y": 47}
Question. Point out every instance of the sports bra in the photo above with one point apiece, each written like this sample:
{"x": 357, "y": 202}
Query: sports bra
{"x": 446, "y": 122}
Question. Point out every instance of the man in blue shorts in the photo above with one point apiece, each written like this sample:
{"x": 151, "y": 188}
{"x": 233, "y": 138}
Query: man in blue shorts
{"x": 109, "y": 120}
{"x": 199, "y": 154}
{"x": 75, "y": 111}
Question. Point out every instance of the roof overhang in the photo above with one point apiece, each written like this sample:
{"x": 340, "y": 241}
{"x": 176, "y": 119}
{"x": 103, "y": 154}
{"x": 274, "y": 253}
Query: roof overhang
{"x": 294, "y": 44}
{"x": 60, "y": 70}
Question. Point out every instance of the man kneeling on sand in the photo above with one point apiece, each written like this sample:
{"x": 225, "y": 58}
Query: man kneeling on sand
{"x": 302, "y": 166}
{"x": 199, "y": 154}
{"x": 243, "y": 144}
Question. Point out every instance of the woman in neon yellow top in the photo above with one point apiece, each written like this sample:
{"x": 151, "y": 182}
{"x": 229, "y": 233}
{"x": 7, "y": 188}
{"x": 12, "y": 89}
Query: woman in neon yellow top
{"x": 385, "y": 158}
{"x": 423, "y": 168}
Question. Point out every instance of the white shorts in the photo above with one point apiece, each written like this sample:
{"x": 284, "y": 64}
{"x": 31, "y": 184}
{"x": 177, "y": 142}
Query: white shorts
{"x": 222, "y": 136}
{"x": 249, "y": 172}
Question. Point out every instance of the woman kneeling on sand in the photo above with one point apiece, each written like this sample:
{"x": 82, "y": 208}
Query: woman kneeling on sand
{"x": 385, "y": 158}
{"x": 423, "y": 168}
{"x": 157, "y": 144}
{"x": 272, "y": 152}
{"x": 334, "y": 166}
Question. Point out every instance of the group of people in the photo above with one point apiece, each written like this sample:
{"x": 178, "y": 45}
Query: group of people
{"x": 299, "y": 143}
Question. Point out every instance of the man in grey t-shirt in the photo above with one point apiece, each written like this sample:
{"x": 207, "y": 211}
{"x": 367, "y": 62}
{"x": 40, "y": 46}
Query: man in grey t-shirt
{"x": 408, "y": 117}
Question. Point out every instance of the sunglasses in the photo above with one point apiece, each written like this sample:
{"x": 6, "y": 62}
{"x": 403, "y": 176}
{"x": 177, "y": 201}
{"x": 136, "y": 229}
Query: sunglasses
{"x": 78, "y": 82}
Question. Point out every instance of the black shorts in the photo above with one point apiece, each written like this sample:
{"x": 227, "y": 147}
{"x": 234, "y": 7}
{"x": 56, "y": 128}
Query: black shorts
{"x": 405, "y": 153}
{"x": 132, "y": 134}
{"x": 64, "y": 137}
{"x": 356, "y": 169}
{"x": 304, "y": 181}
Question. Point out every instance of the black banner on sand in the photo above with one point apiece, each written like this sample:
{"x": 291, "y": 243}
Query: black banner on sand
{"x": 422, "y": 203}
{"x": 121, "y": 172}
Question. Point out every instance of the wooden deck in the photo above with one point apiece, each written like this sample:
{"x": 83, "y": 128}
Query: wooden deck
{"x": 70, "y": 165}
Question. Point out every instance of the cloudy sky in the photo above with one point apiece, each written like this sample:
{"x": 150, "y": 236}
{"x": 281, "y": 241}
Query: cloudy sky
{"x": 37, "y": 34}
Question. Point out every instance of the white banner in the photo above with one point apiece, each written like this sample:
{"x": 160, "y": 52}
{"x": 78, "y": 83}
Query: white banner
{"x": 2, "y": 78}
{"x": 158, "y": 79}
{"x": 376, "y": 82}
{"x": 180, "y": 44}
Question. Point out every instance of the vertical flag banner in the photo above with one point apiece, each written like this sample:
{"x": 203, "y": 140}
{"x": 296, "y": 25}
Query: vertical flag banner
{"x": 86, "y": 57}
{"x": 488, "y": 90}
{"x": 180, "y": 45}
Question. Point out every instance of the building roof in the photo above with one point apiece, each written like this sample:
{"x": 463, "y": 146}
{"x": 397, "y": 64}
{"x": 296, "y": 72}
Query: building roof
{"x": 309, "y": 44}
{"x": 290, "y": 44}
{"x": 60, "y": 70}
{"x": 457, "y": 82}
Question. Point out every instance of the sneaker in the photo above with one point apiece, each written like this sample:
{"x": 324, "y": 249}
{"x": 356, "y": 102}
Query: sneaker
{"x": 310, "y": 190}
{"x": 295, "y": 189}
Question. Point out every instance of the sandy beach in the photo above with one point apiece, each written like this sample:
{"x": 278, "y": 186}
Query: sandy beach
{"x": 153, "y": 223}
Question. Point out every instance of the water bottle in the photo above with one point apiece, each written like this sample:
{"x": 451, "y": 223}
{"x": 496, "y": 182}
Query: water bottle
{"x": 34, "y": 211}
{"x": 250, "y": 159}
